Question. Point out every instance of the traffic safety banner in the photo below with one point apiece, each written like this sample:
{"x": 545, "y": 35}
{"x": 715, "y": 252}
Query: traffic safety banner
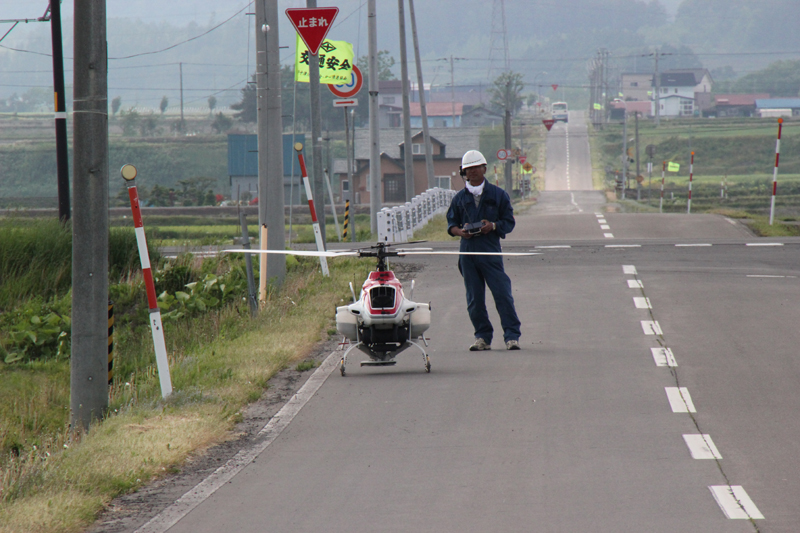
{"x": 335, "y": 62}
{"x": 673, "y": 167}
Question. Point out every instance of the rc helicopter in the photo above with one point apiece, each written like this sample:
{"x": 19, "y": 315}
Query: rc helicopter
{"x": 382, "y": 322}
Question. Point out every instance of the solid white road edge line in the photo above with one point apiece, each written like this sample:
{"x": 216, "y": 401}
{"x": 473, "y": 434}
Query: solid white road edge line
{"x": 200, "y": 492}
{"x": 734, "y": 502}
{"x": 628, "y": 269}
{"x": 664, "y": 357}
{"x": 635, "y": 284}
{"x": 651, "y": 327}
{"x": 701, "y": 446}
{"x": 642, "y": 303}
{"x": 679, "y": 400}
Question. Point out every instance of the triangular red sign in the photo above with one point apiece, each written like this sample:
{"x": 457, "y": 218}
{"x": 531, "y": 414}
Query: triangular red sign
{"x": 312, "y": 24}
{"x": 548, "y": 123}
{"x": 554, "y": 86}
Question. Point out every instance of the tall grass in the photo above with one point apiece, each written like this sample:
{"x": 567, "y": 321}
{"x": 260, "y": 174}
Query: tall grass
{"x": 36, "y": 258}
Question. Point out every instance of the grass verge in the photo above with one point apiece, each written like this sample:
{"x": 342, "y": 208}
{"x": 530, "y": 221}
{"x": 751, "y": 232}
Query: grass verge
{"x": 64, "y": 482}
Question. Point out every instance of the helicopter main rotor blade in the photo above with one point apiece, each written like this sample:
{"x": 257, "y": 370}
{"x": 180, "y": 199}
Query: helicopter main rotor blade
{"x": 307, "y": 253}
{"x": 468, "y": 253}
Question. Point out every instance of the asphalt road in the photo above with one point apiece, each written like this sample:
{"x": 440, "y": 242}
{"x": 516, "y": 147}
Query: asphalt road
{"x": 569, "y": 166}
{"x": 582, "y": 429}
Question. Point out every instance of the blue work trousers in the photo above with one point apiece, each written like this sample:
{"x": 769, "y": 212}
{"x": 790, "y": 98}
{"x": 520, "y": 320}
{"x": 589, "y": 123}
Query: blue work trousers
{"x": 478, "y": 272}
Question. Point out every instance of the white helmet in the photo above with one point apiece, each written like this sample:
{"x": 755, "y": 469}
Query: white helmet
{"x": 472, "y": 158}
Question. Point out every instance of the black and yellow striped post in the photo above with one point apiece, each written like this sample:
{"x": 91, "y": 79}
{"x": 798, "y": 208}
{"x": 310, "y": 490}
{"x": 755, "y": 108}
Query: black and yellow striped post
{"x": 346, "y": 219}
{"x": 110, "y": 342}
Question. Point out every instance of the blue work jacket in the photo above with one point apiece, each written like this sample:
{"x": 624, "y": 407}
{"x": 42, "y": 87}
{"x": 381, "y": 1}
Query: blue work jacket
{"x": 495, "y": 206}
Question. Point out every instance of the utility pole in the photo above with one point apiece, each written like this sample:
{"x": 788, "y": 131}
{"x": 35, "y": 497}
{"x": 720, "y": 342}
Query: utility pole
{"x": 509, "y": 185}
{"x": 270, "y": 139}
{"x": 318, "y": 186}
{"x": 89, "y": 360}
{"x": 408, "y": 150}
{"x": 183, "y": 124}
{"x": 375, "y": 200}
{"x": 624, "y": 152}
{"x": 658, "y": 92}
{"x": 426, "y": 136}
{"x": 638, "y": 183}
{"x": 62, "y": 156}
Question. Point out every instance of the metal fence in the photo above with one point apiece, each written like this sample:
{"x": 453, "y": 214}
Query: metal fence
{"x": 397, "y": 224}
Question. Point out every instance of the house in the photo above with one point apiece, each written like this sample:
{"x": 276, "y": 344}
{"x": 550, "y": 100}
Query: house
{"x": 637, "y": 87}
{"x": 677, "y": 91}
{"x": 618, "y": 108}
{"x": 735, "y": 105}
{"x": 778, "y": 107}
{"x": 243, "y": 166}
{"x": 448, "y": 146}
{"x": 480, "y": 116}
{"x": 440, "y": 114}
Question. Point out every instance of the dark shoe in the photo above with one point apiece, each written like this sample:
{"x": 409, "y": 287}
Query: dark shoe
{"x": 479, "y": 345}
{"x": 513, "y": 344}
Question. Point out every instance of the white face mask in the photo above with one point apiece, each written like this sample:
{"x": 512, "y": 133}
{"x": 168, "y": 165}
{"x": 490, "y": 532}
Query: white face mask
{"x": 476, "y": 191}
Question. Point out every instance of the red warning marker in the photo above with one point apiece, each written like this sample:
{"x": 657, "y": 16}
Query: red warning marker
{"x": 554, "y": 86}
{"x": 548, "y": 123}
{"x": 312, "y": 24}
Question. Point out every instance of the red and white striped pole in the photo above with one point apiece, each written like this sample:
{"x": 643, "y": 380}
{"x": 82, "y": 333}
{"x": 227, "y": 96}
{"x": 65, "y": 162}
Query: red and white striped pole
{"x": 661, "y": 202}
{"x": 317, "y": 233}
{"x": 775, "y": 172}
{"x": 691, "y": 173}
{"x": 129, "y": 174}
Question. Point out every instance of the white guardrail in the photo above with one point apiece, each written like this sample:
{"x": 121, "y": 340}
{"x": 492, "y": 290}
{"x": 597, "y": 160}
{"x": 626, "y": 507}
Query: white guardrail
{"x": 397, "y": 224}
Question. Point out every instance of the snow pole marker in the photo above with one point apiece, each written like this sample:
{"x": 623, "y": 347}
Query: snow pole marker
{"x": 156, "y": 327}
{"x": 317, "y": 233}
{"x": 775, "y": 172}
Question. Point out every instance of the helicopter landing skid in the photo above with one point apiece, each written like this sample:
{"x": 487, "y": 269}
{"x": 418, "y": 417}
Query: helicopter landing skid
{"x": 343, "y": 362}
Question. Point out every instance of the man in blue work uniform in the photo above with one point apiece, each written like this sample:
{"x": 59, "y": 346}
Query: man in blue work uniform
{"x": 481, "y": 214}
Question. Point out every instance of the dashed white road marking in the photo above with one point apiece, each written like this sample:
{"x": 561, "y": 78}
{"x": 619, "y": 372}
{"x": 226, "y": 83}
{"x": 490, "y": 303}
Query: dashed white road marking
{"x": 635, "y": 284}
{"x": 651, "y": 327}
{"x": 641, "y": 302}
{"x": 763, "y": 244}
{"x": 608, "y": 235}
{"x": 691, "y": 245}
{"x": 664, "y": 357}
{"x": 768, "y": 276}
{"x": 554, "y": 247}
{"x": 605, "y": 226}
{"x": 629, "y": 269}
{"x": 623, "y": 246}
{"x": 701, "y": 446}
{"x": 599, "y": 215}
{"x": 602, "y": 221}
{"x": 735, "y": 503}
{"x": 730, "y": 221}
{"x": 679, "y": 400}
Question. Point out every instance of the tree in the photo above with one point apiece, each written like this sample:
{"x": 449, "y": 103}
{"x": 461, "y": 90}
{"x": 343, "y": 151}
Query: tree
{"x": 246, "y": 107}
{"x": 506, "y": 92}
{"x": 164, "y": 104}
{"x": 779, "y": 79}
{"x": 129, "y": 122}
{"x": 385, "y": 64}
{"x": 115, "y": 103}
{"x": 221, "y": 123}
{"x": 212, "y": 103}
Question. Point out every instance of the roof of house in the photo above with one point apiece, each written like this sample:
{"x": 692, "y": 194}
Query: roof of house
{"x": 678, "y": 79}
{"x": 390, "y": 86}
{"x": 778, "y": 103}
{"x": 437, "y": 109}
{"x": 457, "y": 141}
{"x": 738, "y": 99}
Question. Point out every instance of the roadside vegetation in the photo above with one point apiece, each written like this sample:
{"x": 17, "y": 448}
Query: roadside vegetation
{"x": 733, "y": 167}
{"x": 220, "y": 359}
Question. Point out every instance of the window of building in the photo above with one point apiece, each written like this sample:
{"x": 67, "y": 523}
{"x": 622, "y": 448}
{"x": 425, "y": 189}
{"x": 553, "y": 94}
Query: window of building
{"x": 634, "y": 84}
{"x": 388, "y": 99}
{"x": 416, "y": 149}
{"x": 443, "y": 182}
{"x": 394, "y": 188}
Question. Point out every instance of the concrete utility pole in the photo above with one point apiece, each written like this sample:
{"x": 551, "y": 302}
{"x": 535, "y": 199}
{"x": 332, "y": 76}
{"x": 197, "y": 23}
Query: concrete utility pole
{"x": 426, "y": 136}
{"x": 89, "y": 361}
{"x": 270, "y": 137}
{"x": 408, "y": 150}
{"x": 509, "y": 184}
{"x": 317, "y": 183}
{"x": 624, "y": 152}
{"x": 375, "y": 200}
{"x": 62, "y": 157}
{"x": 638, "y": 170}
{"x": 658, "y": 91}
{"x": 183, "y": 124}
